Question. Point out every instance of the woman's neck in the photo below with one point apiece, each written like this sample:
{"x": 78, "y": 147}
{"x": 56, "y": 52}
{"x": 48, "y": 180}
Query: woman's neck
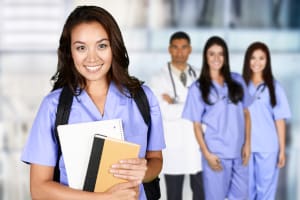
{"x": 98, "y": 93}
{"x": 217, "y": 77}
{"x": 97, "y": 88}
{"x": 257, "y": 79}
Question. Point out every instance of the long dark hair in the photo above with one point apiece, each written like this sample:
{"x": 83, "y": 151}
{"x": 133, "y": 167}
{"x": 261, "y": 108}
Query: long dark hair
{"x": 235, "y": 89}
{"x": 267, "y": 72}
{"x": 67, "y": 74}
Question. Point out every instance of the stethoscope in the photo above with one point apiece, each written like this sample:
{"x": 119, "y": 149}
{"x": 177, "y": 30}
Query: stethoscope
{"x": 259, "y": 90}
{"x": 218, "y": 97}
{"x": 191, "y": 72}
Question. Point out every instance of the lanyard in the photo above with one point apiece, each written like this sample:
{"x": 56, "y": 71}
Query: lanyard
{"x": 191, "y": 72}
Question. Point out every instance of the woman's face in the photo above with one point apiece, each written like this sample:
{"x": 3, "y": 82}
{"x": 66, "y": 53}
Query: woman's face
{"x": 215, "y": 57}
{"x": 258, "y": 61}
{"x": 91, "y": 51}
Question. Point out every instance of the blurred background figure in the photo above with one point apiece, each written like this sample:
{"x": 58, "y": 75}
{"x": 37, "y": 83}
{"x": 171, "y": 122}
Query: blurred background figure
{"x": 182, "y": 155}
{"x": 187, "y": 13}
{"x": 269, "y": 110}
{"x": 29, "y": 39}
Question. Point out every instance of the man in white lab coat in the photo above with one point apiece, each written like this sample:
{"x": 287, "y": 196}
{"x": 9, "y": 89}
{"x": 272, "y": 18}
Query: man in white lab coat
{"x": 182, "y": 155}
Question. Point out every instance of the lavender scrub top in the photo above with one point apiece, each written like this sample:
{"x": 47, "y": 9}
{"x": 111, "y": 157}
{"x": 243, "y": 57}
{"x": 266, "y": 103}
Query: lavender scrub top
{"x": 41, "y": 146}
{"x": 264, "y": 137}
{"x": 225, "y": 121}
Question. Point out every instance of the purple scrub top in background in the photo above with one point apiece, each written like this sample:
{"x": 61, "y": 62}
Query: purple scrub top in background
{"x": 225, "y": 123}
{"x": 264, "y": 137}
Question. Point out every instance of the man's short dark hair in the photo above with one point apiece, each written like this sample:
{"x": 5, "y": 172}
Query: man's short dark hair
{"x": 180, "y": 35}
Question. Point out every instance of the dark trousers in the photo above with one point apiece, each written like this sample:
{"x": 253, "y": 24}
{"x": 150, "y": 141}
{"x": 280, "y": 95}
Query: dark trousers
{"x": 174, "y": 186}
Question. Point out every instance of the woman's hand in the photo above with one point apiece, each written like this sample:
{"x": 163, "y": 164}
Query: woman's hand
{"x": 124, "y": 191}
{"x": 281, "y": 159}
{"x": 130, "y": 169}
{"x": 214, "y": 162}
{"x": 246, "y": 154}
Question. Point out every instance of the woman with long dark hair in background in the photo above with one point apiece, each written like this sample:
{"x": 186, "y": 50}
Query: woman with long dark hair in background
{"x": 269, "y": 110}
{"x": 219, "y": 100}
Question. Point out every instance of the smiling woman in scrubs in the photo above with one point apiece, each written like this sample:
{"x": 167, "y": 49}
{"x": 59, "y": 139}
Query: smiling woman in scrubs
{"x": 93, "y": 63}
{"x": 219, "y": 99}
{"x": 268, "y": 111}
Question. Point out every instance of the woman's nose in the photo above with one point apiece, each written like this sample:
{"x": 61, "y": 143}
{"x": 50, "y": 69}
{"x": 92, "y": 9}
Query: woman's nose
{"x": 92, "y": 56}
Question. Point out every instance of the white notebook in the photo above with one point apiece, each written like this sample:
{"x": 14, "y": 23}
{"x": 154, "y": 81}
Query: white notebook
{"x": 76, "y": 142}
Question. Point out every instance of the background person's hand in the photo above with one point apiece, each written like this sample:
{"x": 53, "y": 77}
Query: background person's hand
{"x": 281, "y": 159}
{"x": 214, "y": 162}
{"x": 167, "y": 98}
{"x": 246, "y": 154}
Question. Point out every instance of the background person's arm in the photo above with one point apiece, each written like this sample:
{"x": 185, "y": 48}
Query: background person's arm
{"x": 213, "y": 160}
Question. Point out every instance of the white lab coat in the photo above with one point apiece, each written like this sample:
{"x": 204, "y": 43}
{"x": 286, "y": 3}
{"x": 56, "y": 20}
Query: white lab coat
{"x": 182, "y": 153}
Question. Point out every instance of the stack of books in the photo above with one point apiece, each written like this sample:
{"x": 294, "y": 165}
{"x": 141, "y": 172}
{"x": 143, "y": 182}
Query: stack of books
{"x": 90, "y": 149}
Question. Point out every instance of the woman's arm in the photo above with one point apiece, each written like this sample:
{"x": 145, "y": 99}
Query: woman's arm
{"x": 281, "y": 131}
{"x": 213, "y": 160}
{"x": 42, "y": 187}
{"x": 247, "y": 144}
{"x": 154, "y": 165}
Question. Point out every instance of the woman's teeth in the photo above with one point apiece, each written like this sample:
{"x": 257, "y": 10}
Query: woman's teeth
{"x": 94, "y": 68}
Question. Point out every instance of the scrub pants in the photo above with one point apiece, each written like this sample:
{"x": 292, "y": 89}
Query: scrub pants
{"x": 230, "y": 183}
{"x": 263, "y": 176}
{"x": 174, "y": 186}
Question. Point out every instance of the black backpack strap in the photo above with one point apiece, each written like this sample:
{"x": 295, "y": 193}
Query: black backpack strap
{"x": 142, "y": 103}
{"x": 152, "y": 188}
{"x": 62, "y": 117}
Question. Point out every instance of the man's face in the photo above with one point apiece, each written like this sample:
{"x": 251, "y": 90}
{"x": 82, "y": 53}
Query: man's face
{"x": 180, "y": 50}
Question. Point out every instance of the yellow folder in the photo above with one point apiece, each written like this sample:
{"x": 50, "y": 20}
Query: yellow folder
{"x": 106, "y": 152}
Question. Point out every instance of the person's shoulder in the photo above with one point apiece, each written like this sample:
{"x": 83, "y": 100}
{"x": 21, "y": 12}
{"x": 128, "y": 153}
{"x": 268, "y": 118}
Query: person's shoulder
{"x": 53, "y": 96}
{"x": 159, "y": 75}
{"x": 277, "y": 83}
{"x": 162, "y": 70}
{"x": 49, "y": 102}
{"x": 149, "y": 93}
{"x": 278, "y": 86}
{"x": 237, "y": 77}
{"x": 194, "y": 85}
{"x": 194, "y": 67}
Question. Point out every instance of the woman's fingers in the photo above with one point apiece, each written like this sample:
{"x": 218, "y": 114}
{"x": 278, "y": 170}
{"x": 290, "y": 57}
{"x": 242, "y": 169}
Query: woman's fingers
{"x": 215, "y": 163}
{"x": 130, "y": 169}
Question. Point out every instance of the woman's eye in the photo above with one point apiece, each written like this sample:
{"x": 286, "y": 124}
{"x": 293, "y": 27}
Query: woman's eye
{"x": 80, "y": 48}
{"x": 102, "y": 46}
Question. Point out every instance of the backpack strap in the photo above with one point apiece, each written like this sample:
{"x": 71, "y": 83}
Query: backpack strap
{"x": 62, "y": 117}
{"x": 142, "y": 103}
{"x": 152, "y": 188}
{"x": 64, "y": 109}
